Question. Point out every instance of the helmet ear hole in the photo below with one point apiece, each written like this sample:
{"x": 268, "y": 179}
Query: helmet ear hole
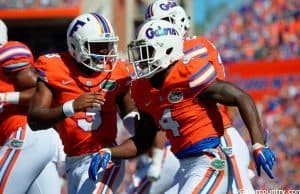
{"x": 73, "y": 46}
{"x": 85, "y": 44}
{"x": 169, "y": 50}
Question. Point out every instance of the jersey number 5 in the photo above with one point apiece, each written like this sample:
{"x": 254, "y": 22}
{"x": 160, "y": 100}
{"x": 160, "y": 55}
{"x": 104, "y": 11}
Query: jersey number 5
{"x": 92, "y": 120}
{"x": 168, "y": 123}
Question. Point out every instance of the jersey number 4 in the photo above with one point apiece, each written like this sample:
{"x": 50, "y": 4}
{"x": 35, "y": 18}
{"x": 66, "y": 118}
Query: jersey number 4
{"x": 92, "y": 120}
{"x": 168, "y": 123}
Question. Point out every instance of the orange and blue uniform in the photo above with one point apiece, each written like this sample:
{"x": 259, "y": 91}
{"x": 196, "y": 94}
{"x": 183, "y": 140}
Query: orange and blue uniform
{"x": 200, "y": 47}
{"x": 17, "y": 141}
{"x": 85, "y": 132}
{"x": 191, "y": 126}
{"x": 14, "y": 56}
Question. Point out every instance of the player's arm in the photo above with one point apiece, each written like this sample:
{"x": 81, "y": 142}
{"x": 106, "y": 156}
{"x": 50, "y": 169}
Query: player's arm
{"x": 146, "y": 130}
{"x": 157, "y": 151}
{"x": 127, "y": 111}
{"x": 42, "y": 115}
{"x": 24, "y": 81}
{"x": 228, "y": 94}
{"x": 159, "y": 143}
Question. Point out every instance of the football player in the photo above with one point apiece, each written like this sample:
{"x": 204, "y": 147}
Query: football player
{"x": 81, "y": 91}
{"x": 27, "y": 158}
{"x": 200, "y": 47}
{"x": 169, "y": 11}
{"x": 180, "y": 96}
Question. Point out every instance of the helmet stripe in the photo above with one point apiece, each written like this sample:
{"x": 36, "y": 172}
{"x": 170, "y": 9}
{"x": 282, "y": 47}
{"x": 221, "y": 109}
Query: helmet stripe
{"x": 99, "y": 23}
{"x": 106, "y": 26}
{"x": 148, "y": 13}
{"x": 151, "y": 10}
{"x": 103, "y": 23}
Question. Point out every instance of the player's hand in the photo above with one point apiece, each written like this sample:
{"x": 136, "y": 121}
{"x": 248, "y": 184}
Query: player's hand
{"x": 264, "y": 157}
{"x": 153, "y": 173}
{"x": 100, "y": 160}
{"x": 157, "y": 161}
{"x": 88, "y": 100}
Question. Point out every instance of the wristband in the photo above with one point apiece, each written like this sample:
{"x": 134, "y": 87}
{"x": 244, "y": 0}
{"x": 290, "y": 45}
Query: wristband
{"x": 257, "y": 146}
{"x": 68, "y": 108}
{"x": 128, "y": 121}
{"x": 157, "y": 156}
{"x": 105, "y": 150}
{"x": 10, "y": 97}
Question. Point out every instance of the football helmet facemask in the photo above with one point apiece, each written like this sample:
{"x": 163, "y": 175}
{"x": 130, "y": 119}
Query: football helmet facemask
{"x": 92, "y": 42}
{"x": 169, "y": 11}
{"x": 157, "y": 45}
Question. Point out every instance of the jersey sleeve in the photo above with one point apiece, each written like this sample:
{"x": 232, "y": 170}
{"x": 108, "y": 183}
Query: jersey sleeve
{"x": 15, "y": 56}
{"x": 125, "y": 80}
{"x": 201, "y": 74}
{"x": 41, "y": 68}
{"x": 202, "y": 48}
{"x": 215, "y": 58}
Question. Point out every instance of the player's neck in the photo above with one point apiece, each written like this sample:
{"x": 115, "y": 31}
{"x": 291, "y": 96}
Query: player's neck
{"x": 86, "y": 70}
{"x": 158, "y": 79}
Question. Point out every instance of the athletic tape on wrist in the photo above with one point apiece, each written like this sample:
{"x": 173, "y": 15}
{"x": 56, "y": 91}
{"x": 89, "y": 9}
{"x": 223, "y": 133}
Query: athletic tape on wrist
{"x": 129, "y": 120}
{"x": 157, "y": 156}
{"x": 10, "y": 97}
{"x": 256, "y": 146}
{"x": 68, "y": 108}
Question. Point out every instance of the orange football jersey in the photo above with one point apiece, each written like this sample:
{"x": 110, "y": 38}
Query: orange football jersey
{"x": 14, "y": 56}
{"x": 200, "y": 47}
{"x": 174, "y": 107}
{"x": 89, "y": 131}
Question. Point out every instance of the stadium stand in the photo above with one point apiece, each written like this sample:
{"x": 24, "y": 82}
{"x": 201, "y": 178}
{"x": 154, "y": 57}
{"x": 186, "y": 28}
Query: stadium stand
{"x": 263, "y": 29}
{"x": 281, "y": 115}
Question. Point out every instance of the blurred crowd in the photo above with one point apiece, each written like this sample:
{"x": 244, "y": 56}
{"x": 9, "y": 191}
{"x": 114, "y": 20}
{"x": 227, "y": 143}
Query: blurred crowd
{"x": 36, "y": 3}
{"x": 281, "y": 116}
{"x": 268, "y": 29}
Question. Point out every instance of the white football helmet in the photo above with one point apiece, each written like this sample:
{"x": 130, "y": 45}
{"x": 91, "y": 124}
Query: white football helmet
{"x": 157, "y": 45}
{"x": 92, "y": 42}
{"x": 3, "y": 33}
{"x": 169, "y": 11}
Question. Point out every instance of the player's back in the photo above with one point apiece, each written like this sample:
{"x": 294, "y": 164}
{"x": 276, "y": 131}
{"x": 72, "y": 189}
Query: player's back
{"x": 14, "y": 56}
{"x": 95, "y": 128}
